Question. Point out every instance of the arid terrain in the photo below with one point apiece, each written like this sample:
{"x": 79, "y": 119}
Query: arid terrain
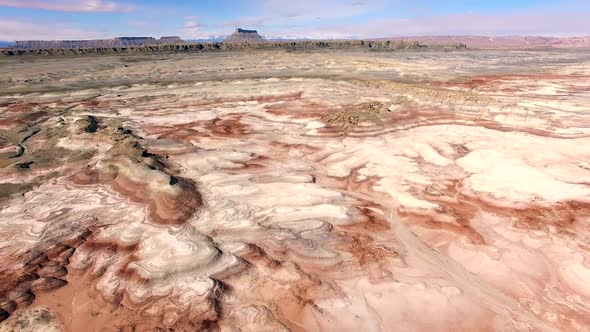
{"x": 296, "y": 190}
{"x": 503, "y": 42}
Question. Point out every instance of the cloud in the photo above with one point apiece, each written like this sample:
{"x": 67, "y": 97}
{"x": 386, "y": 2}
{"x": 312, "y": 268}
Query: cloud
{"x": 281, "y": 13}
{"x": 539, "y": 22}
{"x": 191, "y": 27}
{"x": 338, "y": 19}
{"x": 391, "y": 18}
{"x": 21, "y": 30}
{"x": 274, "y": 15}
{"x": 312, "y": 9}
{"x": 84, "y": 6}
{"x": 244, "y": 23}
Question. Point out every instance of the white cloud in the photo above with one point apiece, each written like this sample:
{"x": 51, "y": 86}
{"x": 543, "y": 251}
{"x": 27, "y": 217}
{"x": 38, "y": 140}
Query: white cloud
{"x": 284, "y": 13}
{"x": 301, "y": 10}
{"x": 21, "y": 30}
{"x": 299, "y": 18}
{"x": 543, "y": 23}
{"x": 69, "y": 5}
{"x": 191, "y": 27}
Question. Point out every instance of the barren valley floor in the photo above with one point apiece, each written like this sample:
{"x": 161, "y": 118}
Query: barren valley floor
{"x": 302, "y": 191}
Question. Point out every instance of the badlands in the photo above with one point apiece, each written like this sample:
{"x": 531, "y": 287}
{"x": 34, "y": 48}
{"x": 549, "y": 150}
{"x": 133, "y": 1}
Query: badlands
{"x": 308, "y": 190}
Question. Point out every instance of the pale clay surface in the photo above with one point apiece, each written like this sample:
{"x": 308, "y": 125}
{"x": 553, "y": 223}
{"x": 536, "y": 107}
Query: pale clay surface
{"x": 262, "y": 192}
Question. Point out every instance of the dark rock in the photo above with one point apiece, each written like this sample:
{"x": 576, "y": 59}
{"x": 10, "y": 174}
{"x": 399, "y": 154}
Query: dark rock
{"x": 25, "y": 165}
{"x": 92, "y": 124}
{"x": 3, "y": 314}
{"x": 225, "y": 46}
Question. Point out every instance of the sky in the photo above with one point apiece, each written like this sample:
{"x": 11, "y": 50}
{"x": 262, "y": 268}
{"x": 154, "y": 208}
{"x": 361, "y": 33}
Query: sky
{"x": 190, "y": 19}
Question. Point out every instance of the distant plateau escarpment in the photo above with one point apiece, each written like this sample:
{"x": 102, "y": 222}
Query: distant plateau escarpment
{"x": 94, "y": 43}
{"x": 383, "y": 45}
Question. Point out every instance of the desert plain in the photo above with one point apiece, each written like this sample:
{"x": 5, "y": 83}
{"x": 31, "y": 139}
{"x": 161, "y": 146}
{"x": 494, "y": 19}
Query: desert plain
{"x": 299, "y": 190}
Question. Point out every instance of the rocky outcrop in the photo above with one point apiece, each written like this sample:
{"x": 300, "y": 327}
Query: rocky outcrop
{"x": 170, "y": 40}
{"x": 96, "y": 43}
{"x": 244, "y": 36}
{"x": 502, "y": 42}
{"x": 170, "y": 200}
{"x": 230, "y": 46}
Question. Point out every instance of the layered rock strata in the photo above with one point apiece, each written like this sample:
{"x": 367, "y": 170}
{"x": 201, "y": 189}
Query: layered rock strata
{"x": 244, "y": 36}
{"x": 231, "y": 46}
{"x": 339, "y": 191}
{"x": 94, "y": 43}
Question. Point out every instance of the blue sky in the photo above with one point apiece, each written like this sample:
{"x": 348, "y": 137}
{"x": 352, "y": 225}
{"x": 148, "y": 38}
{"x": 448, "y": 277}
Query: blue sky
{"x": 69, "y": 19}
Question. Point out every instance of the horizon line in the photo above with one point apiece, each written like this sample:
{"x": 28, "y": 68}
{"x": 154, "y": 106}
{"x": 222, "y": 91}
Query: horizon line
{"x": 327, "y": 38}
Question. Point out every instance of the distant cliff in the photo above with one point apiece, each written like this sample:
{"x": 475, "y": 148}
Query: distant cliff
{"x": 502, "y": 42}
{"x": 96, "y": 43}
{"x": 244, "y": 36}
{"x": 237, "y": 46}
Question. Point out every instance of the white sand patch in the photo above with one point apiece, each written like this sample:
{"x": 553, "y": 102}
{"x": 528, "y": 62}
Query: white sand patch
{"x": 509, "y": 177}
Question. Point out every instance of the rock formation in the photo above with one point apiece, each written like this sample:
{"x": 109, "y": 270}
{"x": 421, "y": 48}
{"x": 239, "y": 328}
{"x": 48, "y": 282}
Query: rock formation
{"x": 228, "y": 46}
{"x": 513, "y": 42}
{"x": 96, "y": 43}
{"x": 244, "y": 36}
{"x": 318, "y": 191}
